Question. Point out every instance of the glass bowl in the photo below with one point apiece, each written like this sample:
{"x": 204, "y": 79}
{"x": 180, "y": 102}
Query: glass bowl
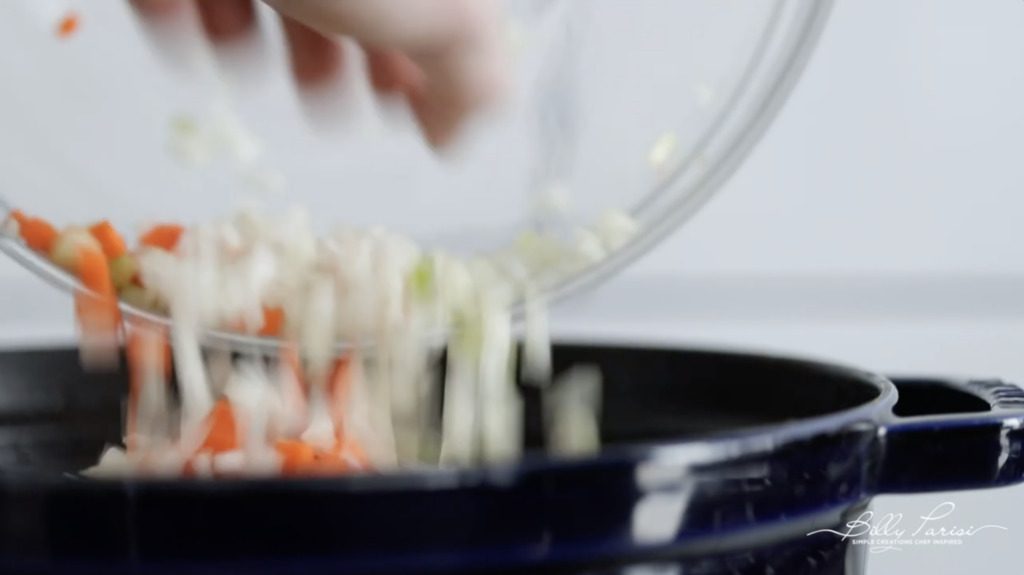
{"x": 647, "y": 107}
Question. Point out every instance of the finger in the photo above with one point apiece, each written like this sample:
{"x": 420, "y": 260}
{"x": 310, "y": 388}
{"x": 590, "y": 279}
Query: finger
{"x": 454, "y": 43}
{"x": 458, "y": 81}
{"x": 157, "y": 8}
{"x": 314, "y": 57}
{"x": 400, "y": 24}
{"x": 226, "y": 19}
{"x": 393, "y": 72}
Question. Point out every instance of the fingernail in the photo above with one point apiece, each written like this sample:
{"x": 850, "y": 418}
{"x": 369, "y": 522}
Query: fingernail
{"x": 158, "y": 7}
{"x": 439, "y": 122}
{"x": 227, "y": 19}
{"x": 392, "y": 72}
{"x": 314, "y": 57}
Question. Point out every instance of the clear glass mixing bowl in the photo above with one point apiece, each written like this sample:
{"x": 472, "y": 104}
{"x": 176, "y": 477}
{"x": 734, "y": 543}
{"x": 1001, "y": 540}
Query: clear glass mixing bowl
{"x": 646, "y": 106}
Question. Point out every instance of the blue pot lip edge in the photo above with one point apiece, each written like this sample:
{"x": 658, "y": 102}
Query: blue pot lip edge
{"x": 716, "y": 448}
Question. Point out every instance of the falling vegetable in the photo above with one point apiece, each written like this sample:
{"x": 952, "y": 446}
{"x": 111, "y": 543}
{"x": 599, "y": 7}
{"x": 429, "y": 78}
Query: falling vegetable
{"x": 68, "y": 25}
{"x": 110, "y": 240}
{"x": 93, "y": 270}
{"x": 38, "y": 233}
{"x": 273, "y": 321}
{"x": 296, "y": 456}
{"x": 66, "y": 248}
{"x": 223, "y": 434}
{"x": 96, "y": 309}
{"x": 314, "y": 410}
{"x": 149, "y": 365}
{"x": 163, "y": 236}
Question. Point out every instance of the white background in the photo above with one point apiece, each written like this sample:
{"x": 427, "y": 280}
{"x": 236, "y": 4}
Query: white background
{"x": 879, "y": 223}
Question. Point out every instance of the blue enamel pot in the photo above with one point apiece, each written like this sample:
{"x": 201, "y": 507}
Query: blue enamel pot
{"x": 713, "y": 463}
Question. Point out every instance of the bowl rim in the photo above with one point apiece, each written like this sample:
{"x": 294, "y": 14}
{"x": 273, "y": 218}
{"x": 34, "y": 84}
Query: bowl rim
{"x": 774, "y": 72}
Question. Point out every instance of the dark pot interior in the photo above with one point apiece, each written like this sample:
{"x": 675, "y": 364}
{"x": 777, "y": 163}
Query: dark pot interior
{"x": 55, "y": 417}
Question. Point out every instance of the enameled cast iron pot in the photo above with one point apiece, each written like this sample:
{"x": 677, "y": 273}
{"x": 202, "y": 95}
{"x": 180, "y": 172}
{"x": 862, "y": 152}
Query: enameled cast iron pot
{"x": 714, "y": 463}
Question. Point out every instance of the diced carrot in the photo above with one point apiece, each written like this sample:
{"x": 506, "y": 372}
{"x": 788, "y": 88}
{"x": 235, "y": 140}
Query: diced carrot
{"x": 346, "y": 457}
{"x": 329, "y": 463}
{"x": 99, "y": 322}
{"x": 223, "y": 434}
{"x": 67, "y": 25}
{"x": 163, "y": 236}
{"x": 273, "y": 321}
{"x": 38, "y": 233}
{"x": 94, "y": 271}
{"x": 110, "y": 240}
{"x": 297, "y": 457}
{"x": 18, "y": 216}
{"x": 98, "y": 314}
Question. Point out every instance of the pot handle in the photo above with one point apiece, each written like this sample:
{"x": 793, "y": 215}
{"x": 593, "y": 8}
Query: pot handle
{"x": 948, "y": 435}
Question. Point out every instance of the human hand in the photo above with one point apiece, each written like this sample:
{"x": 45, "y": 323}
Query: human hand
{"x": 443, "y": 56}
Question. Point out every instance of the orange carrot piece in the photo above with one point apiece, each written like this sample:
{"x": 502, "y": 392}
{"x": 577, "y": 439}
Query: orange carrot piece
{"x": 163, "y": 236}
{"x": 273, "y": 321}
{"x": 68, "y": 25}
{"x": 99, "y": 323}
{"x": 38, "y": 233}
{"x": 329, "y": 463}
{"x": 97, "y": 312}
{"x": 94, "y": 271}
{"x": 223, "y": 434}
{"x": 346, "y": 457}
{"x": 18, "y": 216}
{"x": 297, "y": 457}
{"x": 110, "y": 240}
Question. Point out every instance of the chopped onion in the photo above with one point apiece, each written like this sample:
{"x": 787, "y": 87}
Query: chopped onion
{"x": 361, "y": 286}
